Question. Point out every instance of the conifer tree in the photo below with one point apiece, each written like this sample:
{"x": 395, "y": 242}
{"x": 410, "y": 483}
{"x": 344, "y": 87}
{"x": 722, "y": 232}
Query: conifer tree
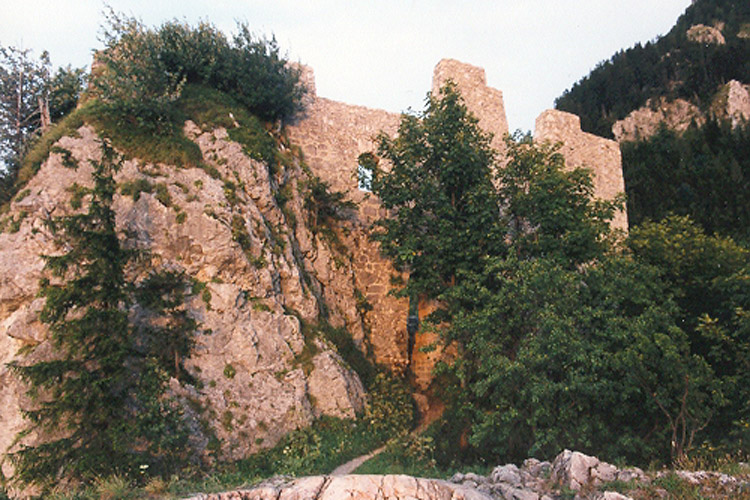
{"x": 98, "y": 401}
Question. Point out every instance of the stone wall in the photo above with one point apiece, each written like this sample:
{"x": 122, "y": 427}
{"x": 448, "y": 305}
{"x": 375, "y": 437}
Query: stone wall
{"x": 582, "y": 149}
{"x": 332, "y": 135}
{"x": 484, "y": 102}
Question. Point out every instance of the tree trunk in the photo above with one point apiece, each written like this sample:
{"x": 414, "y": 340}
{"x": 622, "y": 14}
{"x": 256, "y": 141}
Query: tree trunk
{"x": 44, "y": 113}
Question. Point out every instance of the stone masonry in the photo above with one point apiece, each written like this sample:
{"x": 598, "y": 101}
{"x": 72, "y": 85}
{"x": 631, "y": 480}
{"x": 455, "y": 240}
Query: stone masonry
{"x": 332, "y": 135}
{"x": 582, "y": 149}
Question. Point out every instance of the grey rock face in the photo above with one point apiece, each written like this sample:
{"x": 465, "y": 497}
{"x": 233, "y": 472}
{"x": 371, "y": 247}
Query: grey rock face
{"x": 255, "y": 387}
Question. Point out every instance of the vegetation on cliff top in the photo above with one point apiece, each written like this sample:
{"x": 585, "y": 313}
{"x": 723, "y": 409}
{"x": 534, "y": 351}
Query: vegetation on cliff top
{"x": 146, "y": 82}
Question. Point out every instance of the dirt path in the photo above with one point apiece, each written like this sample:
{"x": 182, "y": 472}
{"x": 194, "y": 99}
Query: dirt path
{"x": 351, "y": 465}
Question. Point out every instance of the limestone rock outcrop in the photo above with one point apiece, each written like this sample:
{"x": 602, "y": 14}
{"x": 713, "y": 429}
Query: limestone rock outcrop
{"x": 700, "y": 33}
{"x": 731, "y": 102}
{"x": 255, "y": 385}
{"x": 353, "y": 487}
{"x": 645, "y": 122}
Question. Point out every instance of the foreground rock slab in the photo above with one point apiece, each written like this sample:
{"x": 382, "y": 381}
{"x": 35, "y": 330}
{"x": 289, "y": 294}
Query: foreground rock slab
{"x": 353, "y": 487}
{"x": 571, "y": 475}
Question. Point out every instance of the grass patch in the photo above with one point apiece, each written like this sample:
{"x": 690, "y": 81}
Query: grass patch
{"x": 210, "y": 108}
{"x": 77, "y": 192}
{"x": 135, "y": 139}
{"x": 329, "y": 442}
{"x": 41, "y": 148}
{"x": 12, "y": 224}
{"x": 414, "y": 455}
{"x": 162, "y": 194}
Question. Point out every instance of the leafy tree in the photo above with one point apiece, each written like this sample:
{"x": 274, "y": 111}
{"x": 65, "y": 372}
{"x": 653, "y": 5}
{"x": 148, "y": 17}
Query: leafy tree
{"x": 549, "y": 210}
{"x": 438, "y": 184}
{"x": 709, "y": 278}
{"x": 165, "y": 328}
{"x": 562, "y": 339}
{"x": 65, "y": 90}
{"x": 703, "y": 172}
{"x": 99, "y": 405}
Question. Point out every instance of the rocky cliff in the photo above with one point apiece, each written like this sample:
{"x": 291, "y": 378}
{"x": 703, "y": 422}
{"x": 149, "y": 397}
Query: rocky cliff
{"x": 258, "y": 374}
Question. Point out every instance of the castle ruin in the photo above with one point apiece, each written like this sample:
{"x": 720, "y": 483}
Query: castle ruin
{"x": 332, "y": 135}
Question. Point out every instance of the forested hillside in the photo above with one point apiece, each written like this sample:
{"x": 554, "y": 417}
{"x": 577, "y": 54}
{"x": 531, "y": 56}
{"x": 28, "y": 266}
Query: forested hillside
{"x": 697, "y": 162}
{"x": 671, "y": 66}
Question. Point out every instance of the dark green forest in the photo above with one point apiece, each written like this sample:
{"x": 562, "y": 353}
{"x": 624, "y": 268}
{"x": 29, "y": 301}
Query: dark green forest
{"x": 670, "y": 66}
{"x": 702, "y": 173}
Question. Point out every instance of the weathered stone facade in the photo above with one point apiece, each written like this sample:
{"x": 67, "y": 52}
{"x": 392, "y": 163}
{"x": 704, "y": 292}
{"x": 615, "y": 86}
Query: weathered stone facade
{"x": 582, "y": 149}
{"x": 332, "y": 135}
{"x": 484, "y": 102}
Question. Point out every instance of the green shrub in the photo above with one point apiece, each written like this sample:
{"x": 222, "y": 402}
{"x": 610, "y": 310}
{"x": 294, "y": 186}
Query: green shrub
{"x": 77, "y": 193}
{"x": 135, "y": 188}
{"x": 162, "y": 194}
{"x": 242, "y": 236}
{"x": 320, "y": 448}
{"x": 143, "y": 70}
{"x": 211, "y": 108}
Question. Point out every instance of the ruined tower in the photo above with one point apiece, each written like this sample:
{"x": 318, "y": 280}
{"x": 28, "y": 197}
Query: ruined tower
{"x": 332, "y": 135}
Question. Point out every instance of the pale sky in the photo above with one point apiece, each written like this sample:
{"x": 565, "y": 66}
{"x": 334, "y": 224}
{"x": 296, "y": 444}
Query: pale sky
{"x": 381, "y": 53}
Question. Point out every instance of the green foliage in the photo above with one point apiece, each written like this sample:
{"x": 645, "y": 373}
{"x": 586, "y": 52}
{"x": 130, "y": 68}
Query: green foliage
{"x": 166, "y": 331}
{"x": 440, "y": 188}
{"x": 548, "y": 319}
{"x": 318, "y": 449}
{"x": 98, "y": 402}
{"x": 162, "y": 194}
{"x": 28, "y": 94}
{"x": 40, "y": 149}
{"x": 549, "y": 211}
{"x": 65, "y": 90}
{"x": 324, "y": 206}
{"x": 211, "y": 108}
{"x": 23, "y": 83}
{"x": 77, "y": 193}
{"x": 136, "y": 187}
{"x": 709, "y": 279}
{"x": 703, "y": 172}
{"x": 241, "y": 235}
{"x": 350, "y": 352}
{"x": 136, "y": 137}
{"x": 143, "y": 71}
{"x": 411, "y": 455}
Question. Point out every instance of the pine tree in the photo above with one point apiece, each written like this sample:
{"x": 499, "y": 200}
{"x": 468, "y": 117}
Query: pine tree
{"x": 98, "y": 402}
